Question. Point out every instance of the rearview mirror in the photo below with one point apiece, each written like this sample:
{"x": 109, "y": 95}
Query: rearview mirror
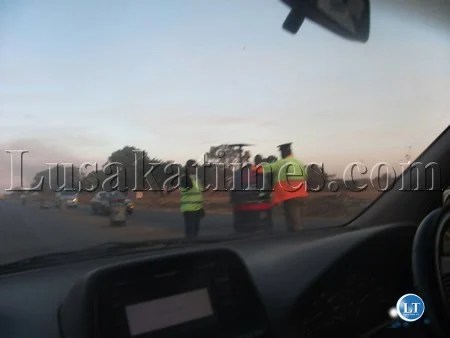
{"x": 347, "y": 18}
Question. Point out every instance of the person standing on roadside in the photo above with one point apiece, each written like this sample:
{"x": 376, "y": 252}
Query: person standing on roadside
{"x": 289, "y": 187}
{"x": 191, "y": 200}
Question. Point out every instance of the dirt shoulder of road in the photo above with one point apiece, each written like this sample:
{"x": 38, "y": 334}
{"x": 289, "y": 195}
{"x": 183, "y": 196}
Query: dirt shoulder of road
{"x": 325, "y": 204}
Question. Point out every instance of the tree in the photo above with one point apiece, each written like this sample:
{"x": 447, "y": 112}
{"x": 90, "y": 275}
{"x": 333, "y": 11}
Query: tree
{"x": 223, "y": 159}
{"x": 59, "y": 177}
{"x": 223, "y": 154}
{"x": 126, "y": 169}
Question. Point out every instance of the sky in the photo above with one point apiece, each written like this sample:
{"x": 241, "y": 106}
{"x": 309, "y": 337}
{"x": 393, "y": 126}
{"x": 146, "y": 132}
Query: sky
{"x": 81, "y": 79}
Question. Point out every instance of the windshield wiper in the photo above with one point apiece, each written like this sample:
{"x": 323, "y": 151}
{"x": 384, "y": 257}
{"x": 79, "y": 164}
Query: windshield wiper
{"x": 107, "y": 250}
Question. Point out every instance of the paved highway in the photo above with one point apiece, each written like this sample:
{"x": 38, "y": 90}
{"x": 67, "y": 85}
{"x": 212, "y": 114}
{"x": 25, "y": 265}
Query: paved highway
{"x": 28, "y": 230}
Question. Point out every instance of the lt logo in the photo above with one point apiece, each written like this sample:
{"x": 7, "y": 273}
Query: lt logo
{"x": 410, "y": 307}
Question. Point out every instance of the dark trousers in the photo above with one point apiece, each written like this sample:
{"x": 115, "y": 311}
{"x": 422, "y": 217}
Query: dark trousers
{"x": 192, "y": 223}
{"x": 293, "y": 213}
{"x": 248, "y": 221}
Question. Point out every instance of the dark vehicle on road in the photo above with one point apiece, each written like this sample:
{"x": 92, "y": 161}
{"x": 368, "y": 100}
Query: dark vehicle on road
{"x": 101, "y": 202}
{"x": 66, "y": 199}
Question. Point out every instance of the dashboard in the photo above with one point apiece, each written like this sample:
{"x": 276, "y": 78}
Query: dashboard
{"x": 312, "y": 284}
{"x": 193, "y": 295}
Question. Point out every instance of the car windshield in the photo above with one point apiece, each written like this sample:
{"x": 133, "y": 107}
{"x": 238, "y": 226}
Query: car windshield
{"x": 165, "y": 101}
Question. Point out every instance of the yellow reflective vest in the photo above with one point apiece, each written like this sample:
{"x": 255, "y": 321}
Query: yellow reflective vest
{"x": 192, "y": 198}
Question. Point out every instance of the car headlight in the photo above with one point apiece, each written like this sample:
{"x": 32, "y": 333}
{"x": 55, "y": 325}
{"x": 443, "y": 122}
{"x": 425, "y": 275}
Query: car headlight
{"x": 75, "y": 200}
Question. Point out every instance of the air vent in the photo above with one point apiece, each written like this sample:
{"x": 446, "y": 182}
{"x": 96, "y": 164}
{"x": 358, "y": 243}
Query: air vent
{"x": 446, "y": 285}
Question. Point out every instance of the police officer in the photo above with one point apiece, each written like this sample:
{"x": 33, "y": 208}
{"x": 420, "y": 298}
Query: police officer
{"x": 289, "y": 188}
{"x": 191, "y": 200}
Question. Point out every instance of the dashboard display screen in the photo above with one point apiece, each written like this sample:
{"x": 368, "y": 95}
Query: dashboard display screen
{"x": 167, "y": 312}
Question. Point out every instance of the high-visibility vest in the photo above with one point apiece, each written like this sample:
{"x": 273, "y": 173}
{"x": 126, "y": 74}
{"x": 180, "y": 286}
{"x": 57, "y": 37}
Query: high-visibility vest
{"x": 289, "y": 179}
{"x": 191, "y": 198}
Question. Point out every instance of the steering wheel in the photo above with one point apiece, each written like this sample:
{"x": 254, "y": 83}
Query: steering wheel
{"x": 426, "y": 267}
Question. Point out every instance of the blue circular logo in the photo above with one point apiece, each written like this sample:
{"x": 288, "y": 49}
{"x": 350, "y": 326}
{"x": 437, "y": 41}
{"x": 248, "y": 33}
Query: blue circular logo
{"x": 410, "y": 307}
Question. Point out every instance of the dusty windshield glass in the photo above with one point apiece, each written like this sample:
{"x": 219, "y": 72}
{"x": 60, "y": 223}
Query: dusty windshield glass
{"x": 165, "y": 101}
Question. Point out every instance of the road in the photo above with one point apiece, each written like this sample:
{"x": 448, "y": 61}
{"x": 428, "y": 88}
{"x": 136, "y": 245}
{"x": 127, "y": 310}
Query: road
{"x": 28, "y": 230}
